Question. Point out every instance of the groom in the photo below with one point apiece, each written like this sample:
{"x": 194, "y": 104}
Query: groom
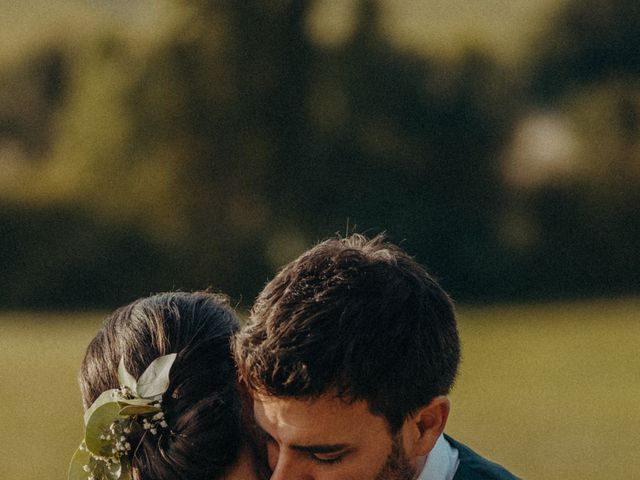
{"x": 349, "y": 355}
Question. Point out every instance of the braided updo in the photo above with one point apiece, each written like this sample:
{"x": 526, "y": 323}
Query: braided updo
{"x": 202, "y": 404}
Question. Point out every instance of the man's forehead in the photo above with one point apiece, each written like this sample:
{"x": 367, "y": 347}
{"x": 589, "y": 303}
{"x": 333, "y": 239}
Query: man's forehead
{"x": 322, "y": 419}
{"x": 295, "y": 411}
{"x": 327, "y": 405}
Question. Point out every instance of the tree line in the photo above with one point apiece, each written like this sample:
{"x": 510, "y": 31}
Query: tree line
{"x": 220, "y": 147}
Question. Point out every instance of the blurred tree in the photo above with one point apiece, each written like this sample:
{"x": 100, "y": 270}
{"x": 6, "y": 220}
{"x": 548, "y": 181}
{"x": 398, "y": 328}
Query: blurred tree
{"x": 218, "y": 147}
{"x": 30, "y": 96}
{"x": 407, "y": 144}
{"x": 230, "y": 141}
{"x": 587, "y": 41}
{"x": 587, "y": 66}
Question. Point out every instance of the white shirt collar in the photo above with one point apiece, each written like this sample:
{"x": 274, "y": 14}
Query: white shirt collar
{"x": 442, "y": 462}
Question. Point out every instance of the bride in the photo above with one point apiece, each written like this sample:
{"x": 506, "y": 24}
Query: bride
{"x": 160, "y": 395}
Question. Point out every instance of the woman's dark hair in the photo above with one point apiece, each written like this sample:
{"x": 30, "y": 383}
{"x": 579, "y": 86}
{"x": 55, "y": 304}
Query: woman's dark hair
{"x": 355, "y": 317}
{"x": 202, "y": 404}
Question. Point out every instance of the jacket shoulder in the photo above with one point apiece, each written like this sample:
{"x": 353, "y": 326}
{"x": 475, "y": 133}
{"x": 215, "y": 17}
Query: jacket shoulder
{"x": 474, "y": 467}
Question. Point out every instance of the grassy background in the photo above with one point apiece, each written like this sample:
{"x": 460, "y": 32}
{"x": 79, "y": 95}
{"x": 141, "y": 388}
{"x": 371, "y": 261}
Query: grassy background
{"x": 551, "y": 391}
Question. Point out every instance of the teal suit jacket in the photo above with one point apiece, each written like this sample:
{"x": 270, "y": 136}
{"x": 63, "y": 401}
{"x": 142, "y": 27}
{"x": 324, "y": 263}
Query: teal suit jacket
{"x": 473, "y": 467}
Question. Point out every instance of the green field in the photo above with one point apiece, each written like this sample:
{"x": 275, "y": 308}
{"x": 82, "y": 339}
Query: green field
{"x": 551, "y": 391}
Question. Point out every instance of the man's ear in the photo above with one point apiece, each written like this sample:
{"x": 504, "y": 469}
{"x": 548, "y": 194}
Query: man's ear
{"x": 422, "y": 429}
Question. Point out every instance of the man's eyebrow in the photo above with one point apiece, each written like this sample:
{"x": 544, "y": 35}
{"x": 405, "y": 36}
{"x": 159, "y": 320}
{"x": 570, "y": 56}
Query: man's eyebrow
{"x": 320, "y": 448}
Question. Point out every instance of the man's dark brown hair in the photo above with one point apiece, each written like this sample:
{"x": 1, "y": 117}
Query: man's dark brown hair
{"x": 357, "y": 318}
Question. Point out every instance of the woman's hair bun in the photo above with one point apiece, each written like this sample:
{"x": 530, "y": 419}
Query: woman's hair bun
{"x": 201, "y": 406}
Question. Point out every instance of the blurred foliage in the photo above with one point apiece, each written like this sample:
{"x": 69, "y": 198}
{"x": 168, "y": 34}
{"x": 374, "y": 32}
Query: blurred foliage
{"x": 216, "y": 146}
{"x": 588, "y": 41}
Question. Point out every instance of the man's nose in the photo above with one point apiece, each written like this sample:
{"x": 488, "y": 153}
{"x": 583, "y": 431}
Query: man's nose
{"x": 288, "y": 468}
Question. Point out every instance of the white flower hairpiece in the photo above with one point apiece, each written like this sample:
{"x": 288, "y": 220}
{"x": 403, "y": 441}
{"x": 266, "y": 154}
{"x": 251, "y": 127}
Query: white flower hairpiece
{"x": 104, "y": 454}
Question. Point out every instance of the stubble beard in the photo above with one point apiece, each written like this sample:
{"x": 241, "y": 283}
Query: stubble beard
{"x": 397, "y": 466}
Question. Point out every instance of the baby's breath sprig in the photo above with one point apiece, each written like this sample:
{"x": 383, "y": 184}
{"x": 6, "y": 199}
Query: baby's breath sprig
{"x": 152, "y": 424}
